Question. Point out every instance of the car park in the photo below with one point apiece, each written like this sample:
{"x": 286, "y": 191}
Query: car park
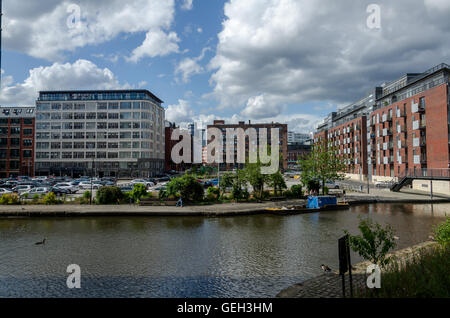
{"x": 60, "y": 191}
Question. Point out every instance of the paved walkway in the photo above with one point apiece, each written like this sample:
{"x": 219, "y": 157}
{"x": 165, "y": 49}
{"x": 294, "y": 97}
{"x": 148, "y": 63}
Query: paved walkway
{"x": 329, "y": 285}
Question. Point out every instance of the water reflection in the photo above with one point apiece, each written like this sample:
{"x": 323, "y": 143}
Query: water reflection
{"x": 245, "y": 256}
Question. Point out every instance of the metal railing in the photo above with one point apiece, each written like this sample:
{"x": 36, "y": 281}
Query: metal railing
{"x": 423, "y": 173}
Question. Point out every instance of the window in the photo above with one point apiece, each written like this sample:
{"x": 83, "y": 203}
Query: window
{"x": 56, "y": 116}
{"x": 56, "y": 145}
{"x": 15, "y": 130}
{"x": 90, "y": 145}
{"x": 125, "y": 145}
{"x": 27, "y": 153}
{"x": 78, "y": 155}
{"x": 67, "y": 145}
{"x": 67, "y": 126}
{"x": 101, "y": 145}
{"x": 56, "y": 126}
{"x": 67, "y": 135}
{"x": 124, "y": 155}
{"x": 102, "y": 125}
{"x": 78, "y": 126}
{"x": 112, "y": 135}
{"x": 67, "y": 155}
{"x": 91, "y": 116}
{"x": 125, "y": 135}
{"x": 125, "y": 105}
{"x": 43, "y": 126}
{"x": 42, "y": 155}
{"x": 90, "y": 155}
{"x": 113, "y": 116}
{"x": 101, "y": 106}
{"x": 113, "y": 155}
{"x": 14, "y": 153}
{"x": 27, "y": 142}
{"x": 102, "y": 135}
{"x": 67, "y": 106}
{"x": 113, "y": 125}
{"x": 113, "y": 106}
{"x": 55, "y": 155}
{"x": 42, "y": 135}
{"x": 136, "y": 105}
{"x": 78, "y": 145}
{"x": 125, "y": 115}
{"x": 102, "y": 115}
{"x": 79, "y": 107}
{"x": 67, "y": 116}
{"x": 136, "y": 135}
{"x": 90, "y": 125}
{"x": 90, "y": 135}
{"x": 14, "y": 165}
{"x": 79, "y": 116}
{"x": 56, "y": 135}
{"x": 56, "y": 106}
{"x": 101, "y": 155}
{"x": 126, "y": 125}
{"x": 113, "y": 145}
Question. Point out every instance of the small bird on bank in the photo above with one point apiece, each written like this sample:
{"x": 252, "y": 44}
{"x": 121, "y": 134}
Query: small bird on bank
{"x": 325, "y": 268}
{"x": 40, "y": 243}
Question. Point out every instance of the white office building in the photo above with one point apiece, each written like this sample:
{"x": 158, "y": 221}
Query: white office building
{"x": 114, "y": 133}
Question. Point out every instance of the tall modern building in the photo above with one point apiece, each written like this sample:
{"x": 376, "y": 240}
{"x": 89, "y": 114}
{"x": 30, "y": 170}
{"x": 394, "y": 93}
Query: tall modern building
{"x": 17, "y": 141}
{"x": 297, "y": 138}
{"x": 108, "y": 133}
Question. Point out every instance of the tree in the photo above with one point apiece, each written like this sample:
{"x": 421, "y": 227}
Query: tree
{"x": 139, "y": 191}
{"x": 187, "y": 187}
{"x": 276, "y": 181}
{"x": 374, "y": 242}
{"x": 320, "y": 166}
{"x": 256, "y": 178}
{"x": 226, "y": 181}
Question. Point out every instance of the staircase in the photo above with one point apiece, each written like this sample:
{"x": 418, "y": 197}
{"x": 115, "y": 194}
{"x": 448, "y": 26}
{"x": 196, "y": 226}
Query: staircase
{"x": 408, "y": 176}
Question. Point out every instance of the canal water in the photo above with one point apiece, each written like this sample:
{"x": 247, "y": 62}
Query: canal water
{"x": 245, "y": 256}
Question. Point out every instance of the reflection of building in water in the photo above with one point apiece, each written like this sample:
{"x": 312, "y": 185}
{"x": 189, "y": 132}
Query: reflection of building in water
{"x": 436, "y": 210}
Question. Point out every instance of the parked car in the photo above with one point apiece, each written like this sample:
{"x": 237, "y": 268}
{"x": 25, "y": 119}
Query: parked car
{"x": 147, "y": 184}
{"x": 126, "y": 188}
{"x": 22, "y": 188}
{"x": 86, "y": 185}
{"x": 60, "y": 191}
{"x": 68, "y": 186}
{"x": 383, "y": 184}
{"x": 4, "y": 191}
{"x": 211, "y": 183}
{"x": 34, "y": 191}
{"x": 331, "y": 185}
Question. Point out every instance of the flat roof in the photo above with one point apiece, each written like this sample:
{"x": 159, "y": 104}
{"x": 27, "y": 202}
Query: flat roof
{"x": 111, "y": 91}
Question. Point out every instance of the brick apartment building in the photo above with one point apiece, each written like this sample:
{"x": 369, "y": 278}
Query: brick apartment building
{"x": 17, "y": 125}
{"x": 220, "y": 124}
{"x": 402, "y": 126}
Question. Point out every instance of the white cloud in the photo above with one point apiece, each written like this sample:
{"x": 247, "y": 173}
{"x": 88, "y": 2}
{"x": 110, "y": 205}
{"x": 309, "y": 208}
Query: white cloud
{"x": 180, "y": 112}
{"x": 199, "y": 30}
{"x": 156, "y": 43}
{"x": 258, "y": 107}
{"x": 39, "y": 28}
{"x": 190, "y": 66}
{"x": 82, "y": 74}
{"x": 296, "y": 51}
{"x": 187, "y": 5}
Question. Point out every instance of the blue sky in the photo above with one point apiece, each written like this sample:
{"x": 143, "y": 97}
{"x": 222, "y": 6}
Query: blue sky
{"x": 291, "y": 61}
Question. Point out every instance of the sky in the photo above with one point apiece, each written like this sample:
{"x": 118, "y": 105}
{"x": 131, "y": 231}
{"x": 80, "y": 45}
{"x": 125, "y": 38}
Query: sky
{"x": 288, "y": 61}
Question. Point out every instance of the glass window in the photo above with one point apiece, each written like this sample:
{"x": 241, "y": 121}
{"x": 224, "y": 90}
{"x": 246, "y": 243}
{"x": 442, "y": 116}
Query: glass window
{"x": 101, "y": 106}
{"x": 27, "y": 142}
{"x": 67, "y": 145}
{"x": 90, "y": 145}
{"x": 90, "y": 125}
{"x": 102, "y": 125}
{"x": 56, "y": 126}
{"x": 67, "y": 135}
{"x": 101, "y": 155}
{"x": 113, "y": 145}
{"x": 125, "y": 115}
{"x": 124, "y": 155}
{"x": 67, "y": 155}
{"x": 56, "y": 145}
{"x": 14, "y": 153}
{"x": 113, "y": 106}
{"x": 56, "y": 135}
{"x": 102, "y": 135}
{"x": 91, "y": 115}
{"x": 125, "y": 135}
{"x": 113, "y": 125}
{"x": 125, "y": 125}
{"x": 136, "y": 115}
{"x": 136, "y": 135}
{"x": 125, "y": 145}
{"x": 125, "y": 105}
{"x": 102, "y": 115}
{"x": 15, "y": 130}
{"x": 43, "y": 107}
{"x": 136, "y": 105}
{"x": 79, "y": 107}
{"x": 67, "y": 106}
{"x": 90, "y": 155}
{"x": 113, "y": 135}
{"x": 27, "y": 153}
{"x": 101, "y": 145}
{"x": 113, "y": 155}
{"x": 55, "y": 155}
{"x": 56, "y": 106}
{"x": 90, "y": 135}
{"x": 67, "y": 116}
{"x": 28, "y": 121}
{"x": 78, "y": 126}
{"x": 79, "y": 116}
{"x": 67, "y": 126}
{"x": 56, "y": 116}
{"x": 43, "y": 126}
{"x": 113, "y": 116}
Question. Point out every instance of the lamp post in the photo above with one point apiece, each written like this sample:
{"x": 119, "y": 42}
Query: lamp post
{"x": 92, "y": 177}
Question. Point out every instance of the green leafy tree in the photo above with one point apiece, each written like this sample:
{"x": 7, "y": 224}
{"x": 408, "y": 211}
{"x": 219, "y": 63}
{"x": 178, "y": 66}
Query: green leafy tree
{"x": 187, "y": 187}
{"x": 256, "y": 179}
{"x": 139, "y": 191}
{"x": 109, "y": 195}
{"x": 320, "y": 166}
{"x": 277, "y": 182}
{"x": 374, "y": 242}
{"x": 226, "y": 181}
{"x": 50, "y": 199}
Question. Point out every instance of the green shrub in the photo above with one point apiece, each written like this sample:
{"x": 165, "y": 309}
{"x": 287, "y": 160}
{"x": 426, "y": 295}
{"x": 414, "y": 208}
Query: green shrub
{"x": 50, "y": 198}
{"x": 188, "y": 187}
{"x": 139, "y": 191}
{"x": 213, "y": 194}
{"x": 424, "y": 275}
{"x": 10, "y": 199}
{"x": 374, "y": 242}
{"x": 36, "y": 198}
{"x": 288, "y": 194}
{"x": 297, "y": 191}
{"x": 109, "y": 195}
{"x": 163, "y": 195}
{"x": 442, "y": 233}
